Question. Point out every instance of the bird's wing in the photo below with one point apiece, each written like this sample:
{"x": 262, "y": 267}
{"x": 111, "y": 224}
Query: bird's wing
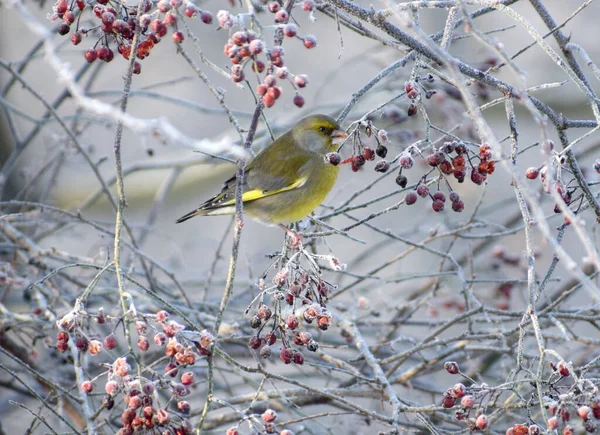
{"x": 263, "y": 177}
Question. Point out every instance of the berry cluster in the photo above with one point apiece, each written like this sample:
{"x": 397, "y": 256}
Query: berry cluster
{"x": 452, "y": 158}
{"x": 362, "y": 153}
{"x": 415, "y": 90}
{"x": 552, "y": 179}
{"x": 561, "y": 399}
{"x": 118, "y": 22}
{"x": 143, "y": 412}
{"x": 299, "y": 297}
{"x": 245, "y": 47}
{"x": 268, "y": 425}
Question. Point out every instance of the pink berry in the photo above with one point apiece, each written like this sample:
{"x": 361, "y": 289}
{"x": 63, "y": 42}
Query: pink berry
{"x": 87, "y": 387}
{"x": 178, "y": 37}
{"x": 410, "y": 198}
{"x": 481, "y": 422}
{"x": 310, "y": 41}
{"x": 298, "y": 100}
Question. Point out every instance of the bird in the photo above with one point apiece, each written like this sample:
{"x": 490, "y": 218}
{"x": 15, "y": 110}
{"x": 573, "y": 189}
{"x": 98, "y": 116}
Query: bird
{"x": 287, "y": 180}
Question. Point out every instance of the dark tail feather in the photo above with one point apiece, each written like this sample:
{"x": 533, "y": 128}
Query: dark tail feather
{"x": 188, "y": 216}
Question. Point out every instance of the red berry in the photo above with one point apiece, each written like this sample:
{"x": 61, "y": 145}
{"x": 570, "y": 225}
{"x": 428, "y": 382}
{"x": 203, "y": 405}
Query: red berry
{"x": 562, "y": 368}
{"x": 274, "y": 92}
{"x": 584, "y": 412}
{"x": 308, "y": 5}
{"x": 178, "y": 37}
{"x": 301, "y": 80}
{"x": 298, "y": 358}
{"x": 410, "y": 198}
{"x": 552, "y": 423}
{"x": 481, "y": 422}
{"x": 298, "y": 100}
{"x": 87, "y": 387}
{"x": 451, "y": 367}
{"x": 232, "y": 431}
{"x": 458, "y": 206}
{"x": 274, "y": 7}
{"x": 310, "y": 41}
{"x": 286, "y": 354}
{"x": 281, "y": 16}
{"x": 62, "y": 346}
{"x": 437, "y": 206}
{"x": 205, "y": 16}
{"x": 290, "y": 30}
{"x": 382, "y": 166}
{"x": 69, "y": 17}
{"x": 269, "y": 416}
{"x": 448, "y": 401}
{"x": 62, "y": 336}
{"x": 439, "y": 196}
{"x": 423, "y": 191}
{"x": 368, "y": 153}
{"x": 256, "y": 47}
{"x": 261, "y": 89}
{"x": 255, "y": 342}
{"x": 532, "y": 173}
{"x": 191, "y": 10}
{"x": 406, "y": 161}
{"x": 63, "y": 29}
{"x": 467, "y": 402}
{"x": 187, "y": 378}
{"x": 137, "y": 68}
{"x": 459, "y": 390}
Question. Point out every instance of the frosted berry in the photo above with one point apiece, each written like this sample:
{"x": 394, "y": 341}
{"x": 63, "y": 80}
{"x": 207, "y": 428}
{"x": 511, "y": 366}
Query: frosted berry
{"x": 410, "y": 198}
{"x": 451, "y": 367}
{"x": 301, "y": 80}
{"x": 298, "y": 100}
{"x": 481, "y": 422}
{"x": 87, "y": 387}
{"x": 333, "y": 158}
{"x": 406, "y": 161}
{"x": 382, "y": 166}
{"x": 290, "y": 30}
{"x": 532, "y": 173}
{"x": 76, "y": 38}
{"x": 458, "y": 206}
{"x": 423, "y": 191}
{"x": 310, "y": 41}
{"x": 381, "y": 151}
{"x": 437, "y": 206}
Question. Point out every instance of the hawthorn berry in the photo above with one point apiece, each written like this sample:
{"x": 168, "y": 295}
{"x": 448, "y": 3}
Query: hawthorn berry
{"x": 382, "y": 166}
{"x": 410, "y": 198}
{"x": 310, "y": 41}
{"x": 437, "y": 206}
{"x": 298, "y": 100}
{"x": 178, "y": 37}
{"x": 423, "y": 190}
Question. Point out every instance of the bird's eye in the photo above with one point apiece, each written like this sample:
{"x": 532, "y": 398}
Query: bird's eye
{"x": 322, "y": 129}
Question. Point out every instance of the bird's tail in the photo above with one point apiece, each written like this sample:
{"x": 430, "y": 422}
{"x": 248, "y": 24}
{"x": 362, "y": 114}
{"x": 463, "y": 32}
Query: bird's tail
{"x": 209, "y": 208}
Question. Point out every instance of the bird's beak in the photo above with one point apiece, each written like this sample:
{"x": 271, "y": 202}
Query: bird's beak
{"x": 338, "y": 137}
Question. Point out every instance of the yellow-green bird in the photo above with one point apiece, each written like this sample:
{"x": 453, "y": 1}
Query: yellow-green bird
{"x": 287, "y": 180}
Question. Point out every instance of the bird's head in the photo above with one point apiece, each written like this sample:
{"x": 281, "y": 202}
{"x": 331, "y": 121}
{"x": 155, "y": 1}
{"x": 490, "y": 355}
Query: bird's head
{"x": 319, "y": 134}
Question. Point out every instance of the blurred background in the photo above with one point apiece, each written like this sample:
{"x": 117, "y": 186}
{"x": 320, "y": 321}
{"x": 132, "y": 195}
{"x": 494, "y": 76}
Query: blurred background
{"x": 168, "y": 180}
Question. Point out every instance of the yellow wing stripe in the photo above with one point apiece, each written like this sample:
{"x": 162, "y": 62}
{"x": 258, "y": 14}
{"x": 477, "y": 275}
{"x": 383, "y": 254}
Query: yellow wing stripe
{"x": 253, "y": 195}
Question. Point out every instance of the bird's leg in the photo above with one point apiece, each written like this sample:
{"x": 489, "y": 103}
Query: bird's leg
{"x": 295, "y": 238}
